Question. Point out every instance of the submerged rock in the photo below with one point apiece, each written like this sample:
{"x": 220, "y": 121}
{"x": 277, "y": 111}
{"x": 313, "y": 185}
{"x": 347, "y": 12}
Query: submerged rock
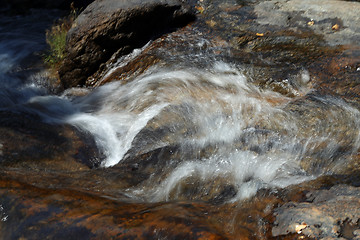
{"x": 70, "y": 214}
{"x": 110, "y": 26}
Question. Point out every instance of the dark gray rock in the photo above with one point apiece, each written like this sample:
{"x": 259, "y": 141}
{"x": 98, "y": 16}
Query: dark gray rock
{"x": 109, "y": 26}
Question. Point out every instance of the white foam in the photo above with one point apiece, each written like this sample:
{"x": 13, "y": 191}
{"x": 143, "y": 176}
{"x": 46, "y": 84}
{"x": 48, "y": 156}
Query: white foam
{"x": 114, "y": 132}
{"x": 253, "y": 142}
{"x": 246, "y": 170}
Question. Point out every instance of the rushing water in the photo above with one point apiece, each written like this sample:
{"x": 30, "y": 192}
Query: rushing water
{"x": 225, "y": 130}
{"x": 21, "y": 44}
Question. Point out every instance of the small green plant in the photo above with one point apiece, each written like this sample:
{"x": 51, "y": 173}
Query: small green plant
{"x": 56, "y": 39}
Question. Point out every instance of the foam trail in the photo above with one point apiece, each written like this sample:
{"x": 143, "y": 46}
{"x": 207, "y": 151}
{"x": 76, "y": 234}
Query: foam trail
{"x": 249, "y": 136}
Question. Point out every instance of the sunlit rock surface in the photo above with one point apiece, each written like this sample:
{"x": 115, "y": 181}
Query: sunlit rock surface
{"x": 335, "y": 20}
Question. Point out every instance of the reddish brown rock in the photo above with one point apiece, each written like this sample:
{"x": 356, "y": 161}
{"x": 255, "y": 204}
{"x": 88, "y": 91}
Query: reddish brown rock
{"x": 59, "y": 214}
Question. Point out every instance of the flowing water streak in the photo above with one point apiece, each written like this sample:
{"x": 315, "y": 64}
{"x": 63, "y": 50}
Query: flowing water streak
{"x": 119, "y": 112}
{"x": 22, "y": 39}
{"x": 252, "y": 141}
{"x": 251, "y": 137}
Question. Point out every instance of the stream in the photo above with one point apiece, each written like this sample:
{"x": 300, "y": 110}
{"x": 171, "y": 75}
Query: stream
{"x": 189, "y": 132}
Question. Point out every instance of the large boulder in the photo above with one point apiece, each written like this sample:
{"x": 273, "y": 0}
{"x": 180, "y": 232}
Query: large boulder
{"x": 109, "y": 26}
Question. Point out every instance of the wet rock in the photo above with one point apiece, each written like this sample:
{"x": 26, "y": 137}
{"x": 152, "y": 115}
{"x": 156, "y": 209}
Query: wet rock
{"x": 278, "y": 52}
{"x": 339, "y": 75}
{"x": 216, "y": 191}
{"x": 165, "y": 52}
{"x": 238, "y": 33}
{"x": 28, "y": 142}
{"x": 136, "y": 66}
{"x": 326, "y": 213}
{"x": 106, "y": 27}
{"x": 90, "y": 203}
{"x": 59, "y": 214}
{"x": 321, "y": 125}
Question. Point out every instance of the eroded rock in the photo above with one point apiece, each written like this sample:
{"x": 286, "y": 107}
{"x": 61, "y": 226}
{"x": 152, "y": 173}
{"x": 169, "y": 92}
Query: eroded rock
{"x": 109, "y": 26}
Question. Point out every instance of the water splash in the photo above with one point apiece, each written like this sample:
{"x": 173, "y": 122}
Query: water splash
{"x": 252, "y": 137}
{"x": 114, "y": 132}
{"x": 246, "y": 171}
{"x": 207, "y": 99}
{"x": 247, "y": 133}
{"x": 3, "y": 216}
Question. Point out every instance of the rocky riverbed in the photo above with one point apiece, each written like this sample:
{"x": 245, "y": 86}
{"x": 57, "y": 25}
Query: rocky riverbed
{"x": 188, "y": 120}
